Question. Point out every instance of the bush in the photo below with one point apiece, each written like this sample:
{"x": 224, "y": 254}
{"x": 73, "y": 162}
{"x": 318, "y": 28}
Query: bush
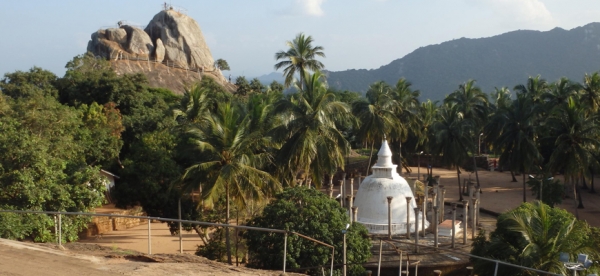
{"x": 311, "y": 213}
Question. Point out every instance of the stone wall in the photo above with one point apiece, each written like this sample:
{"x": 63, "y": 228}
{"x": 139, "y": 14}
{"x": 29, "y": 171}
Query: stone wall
{"x": 100, "y": 225}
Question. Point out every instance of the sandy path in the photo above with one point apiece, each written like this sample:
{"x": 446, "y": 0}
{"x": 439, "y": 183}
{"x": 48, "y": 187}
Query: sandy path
{"x": 500, "y": 194}
{"x": 136, "y": 238}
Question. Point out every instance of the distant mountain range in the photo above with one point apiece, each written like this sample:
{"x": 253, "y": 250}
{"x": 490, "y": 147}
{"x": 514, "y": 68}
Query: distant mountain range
{"x": 269, "y": 78}
{"x": 503, "y": 60}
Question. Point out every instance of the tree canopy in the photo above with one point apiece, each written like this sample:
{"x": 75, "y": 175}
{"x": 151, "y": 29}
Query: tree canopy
{"x": 308, "y": 212}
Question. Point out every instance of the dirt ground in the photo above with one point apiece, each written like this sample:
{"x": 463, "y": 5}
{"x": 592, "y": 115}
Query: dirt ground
{"x": 118, "y": 252}
{"x": 21, "y": 259}
{"x": 499, "y": 194}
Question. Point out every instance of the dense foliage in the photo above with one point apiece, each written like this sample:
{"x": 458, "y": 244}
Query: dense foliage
{"x": 533, "y": 235}
{"x": 49, "y": 156}
{"x": 311, "y": 213}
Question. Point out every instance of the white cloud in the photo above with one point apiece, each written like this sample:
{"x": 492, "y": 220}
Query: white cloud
{"x": 307, "y": 7}
{"x": 311, "y": 7}
{"x": 523, "y": 13}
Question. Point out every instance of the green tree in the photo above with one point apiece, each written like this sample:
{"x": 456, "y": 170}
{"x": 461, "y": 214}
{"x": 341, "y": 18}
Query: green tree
{"x": 222, "y": 64}
{"x": 377, "y": 115}
{"x": 452, "y": 138}
{"x": 533, "y": 235}
{"x": 551, "y": 190}
{"x": 560, "y": 92}
{"x": 243, "y": 87}
{"x": 515, "y": 130}
{"x": 36, "y": 81}
{"x": 307, "y": 131}
{"x": 473, "y": 104}
{"x": 196, "y": 103}
{"x": 102, "y": 133}
{"x": 299, "y": 58}
{"x": 311, "y": 213}
{"x": 575, "y": 136}
{"x": 428, "y": 113}
{"x": 43, "y": 167}
{"x": 256, "y": 86}
{"x": 407, "y": 107}
{"x": 275, "y": 86}
{"x": 231, "y": 160}
{"x": 591, "y": 91}
{"x": 471, "y": 101}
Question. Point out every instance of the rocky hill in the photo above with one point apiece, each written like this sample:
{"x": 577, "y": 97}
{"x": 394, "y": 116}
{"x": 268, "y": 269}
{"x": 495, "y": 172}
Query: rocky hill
{"x": 504, "y": 60}
{"x": 170, "y": 51}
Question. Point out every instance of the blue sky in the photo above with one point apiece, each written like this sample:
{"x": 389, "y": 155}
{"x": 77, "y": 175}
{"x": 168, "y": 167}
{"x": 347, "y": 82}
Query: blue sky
{"x": 356, "y": 34}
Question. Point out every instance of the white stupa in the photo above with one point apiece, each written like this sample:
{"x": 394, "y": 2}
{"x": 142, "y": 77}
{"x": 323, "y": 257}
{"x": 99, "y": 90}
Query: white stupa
{"x": 371, "y": 198}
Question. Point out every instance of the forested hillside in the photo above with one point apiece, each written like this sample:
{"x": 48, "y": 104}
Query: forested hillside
{"x": 503, "y": 60}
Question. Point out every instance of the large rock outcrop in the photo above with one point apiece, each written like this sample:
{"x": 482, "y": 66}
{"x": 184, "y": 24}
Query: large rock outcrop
{"x": 124, "y": 42}
{"x": 170, "y": 51}
{"x": 182, "y": 38}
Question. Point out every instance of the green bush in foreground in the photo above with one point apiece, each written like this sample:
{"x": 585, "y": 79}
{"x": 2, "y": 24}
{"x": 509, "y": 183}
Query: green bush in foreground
{"x": 311, "y": 213}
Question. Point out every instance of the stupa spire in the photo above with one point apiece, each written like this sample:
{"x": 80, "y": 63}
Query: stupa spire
{"x": 384, "y": 166}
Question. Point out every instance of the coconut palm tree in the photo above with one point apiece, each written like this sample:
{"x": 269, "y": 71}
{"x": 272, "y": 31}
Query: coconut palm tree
{"x": 534, "y": 89}
{"x": 471, "y": 101}
{"x": 299, "y": 58}
{"x": 310, "y": 140}
{"x": 514, "y": 127}
{"x": 194, "y": 104}
{"x": 559, "y": 92}
{"x": 473, "y": 104}
{"x": 377, "y": 115}
{"x": 591, "y": 91}
{"x": 232, "y": 158}
{"x": 546, "y": 232}
{"x": 452, "y": 138}
{"x": 407, "y": 106}
{"x": 575, "y": 133}
{"x": 428, "y": 113}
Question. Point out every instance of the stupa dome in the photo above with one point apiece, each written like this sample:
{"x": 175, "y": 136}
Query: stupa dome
{"x": 371, "y": 198}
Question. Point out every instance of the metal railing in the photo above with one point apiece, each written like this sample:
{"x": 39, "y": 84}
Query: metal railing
{"x": 58, "y": 225}
{"x": 497, "y": 262}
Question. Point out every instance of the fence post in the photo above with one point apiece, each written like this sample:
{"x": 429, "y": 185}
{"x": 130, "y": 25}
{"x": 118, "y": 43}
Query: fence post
{"x": 416, "y": 229}
{"x": 284, "y": 250}
{"x": 496, "y": 269}
{"x": 55, "y": 228}
{"x": 59, "y": 230}
{"x": 332, "y": 256}
{"x": 149, "y": 238}
{"x": 379, "y": 264}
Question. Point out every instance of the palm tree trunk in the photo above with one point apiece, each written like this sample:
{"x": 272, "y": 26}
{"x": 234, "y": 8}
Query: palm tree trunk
{"x": 592, "y": 182}
{"x": 237, "y": 222}
{"x": 580, "y": 205}
{"x": 400, "y": 155}
{"x": 370, "y": 157}
{"x": 524, "y": 188}
{"x": 514, "y": 179}
{"x": 574, "y": 196}
{"x": 227, "y": 241}
{"x": 459, "y": 186}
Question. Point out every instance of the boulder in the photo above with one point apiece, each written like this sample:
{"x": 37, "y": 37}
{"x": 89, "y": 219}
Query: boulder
{"x": 138, "y": 42}
{"x": 182, "y": 39}
{"x": 100, "y": 46}
{"x": 117, "y": 35}
{"x": 159, "y": 53}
